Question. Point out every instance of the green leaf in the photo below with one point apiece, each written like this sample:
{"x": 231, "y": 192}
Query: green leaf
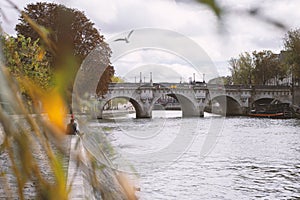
{"x": 212, "y": 4}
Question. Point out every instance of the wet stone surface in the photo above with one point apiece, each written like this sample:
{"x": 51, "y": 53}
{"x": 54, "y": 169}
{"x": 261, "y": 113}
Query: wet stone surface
{"x": 8, "y": 181}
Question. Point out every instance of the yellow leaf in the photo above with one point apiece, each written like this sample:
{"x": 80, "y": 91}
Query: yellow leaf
{"x": 54, "y": 105}
{"x": 41, "y": 55}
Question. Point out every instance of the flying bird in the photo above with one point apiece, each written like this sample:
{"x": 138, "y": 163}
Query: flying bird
{"x": 126, "y": 39}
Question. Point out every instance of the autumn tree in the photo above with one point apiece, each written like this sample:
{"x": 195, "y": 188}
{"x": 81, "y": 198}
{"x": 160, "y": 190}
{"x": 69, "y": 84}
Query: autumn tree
{"x": 257, "y": 68}
{"x": 267, "y": 67}
{"x": 72, "y": 34}
{"x": 242, "y": 69}
{"x": 292, "y": 53}
{"x": 26, "y": 61}
{"x": 25, "y": 58}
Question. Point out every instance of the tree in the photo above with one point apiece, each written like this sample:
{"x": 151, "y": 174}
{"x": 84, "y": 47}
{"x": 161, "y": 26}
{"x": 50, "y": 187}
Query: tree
{"x": 234, "y": 69}
{"x": 292, "y": 54}
{"x": 241, "y": 69}
{"x": 25, "y": 59}
{"x": 72, "y": 34}
{"x": 257, "y": 68}
{"x": 266, "y": 67}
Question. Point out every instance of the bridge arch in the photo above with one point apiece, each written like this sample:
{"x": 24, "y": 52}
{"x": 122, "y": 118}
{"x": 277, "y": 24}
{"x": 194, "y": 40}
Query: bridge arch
{"x": 137, "y": 105}
{"x": 188, "y": 105}
{"x": 227, "y": 105}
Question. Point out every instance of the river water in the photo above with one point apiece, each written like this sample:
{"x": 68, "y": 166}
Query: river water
{"x": 207, "y": 158}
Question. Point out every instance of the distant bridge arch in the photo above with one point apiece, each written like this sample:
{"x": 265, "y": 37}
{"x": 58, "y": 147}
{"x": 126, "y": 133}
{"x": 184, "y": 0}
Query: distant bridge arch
{"x": 189, "y": 106}
{"x": 137, "y": 106}
{"x": 228, "y": 105}
{"x": 132, "y": 95}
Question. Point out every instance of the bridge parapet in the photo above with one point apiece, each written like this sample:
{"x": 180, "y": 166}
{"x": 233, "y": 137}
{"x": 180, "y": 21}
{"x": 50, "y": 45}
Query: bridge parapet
{"x": 271, "y": 87}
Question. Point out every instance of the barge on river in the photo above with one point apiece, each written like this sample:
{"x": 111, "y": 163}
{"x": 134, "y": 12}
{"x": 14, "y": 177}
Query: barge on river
{"x": 275, "y": 109}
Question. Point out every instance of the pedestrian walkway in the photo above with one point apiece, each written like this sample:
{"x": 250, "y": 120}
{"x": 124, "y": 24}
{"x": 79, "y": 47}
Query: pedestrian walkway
{"x": 77, "y": 190}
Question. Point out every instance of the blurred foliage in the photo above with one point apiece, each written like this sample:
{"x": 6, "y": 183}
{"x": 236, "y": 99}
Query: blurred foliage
{"x": 213, "y": 5}
{"x": 36, "y": 146}
{"x": 25, "y": 143}
{"x": 254, "y": 12}
{"x": 260, "y": 67}
{"x": 73, "y": 37}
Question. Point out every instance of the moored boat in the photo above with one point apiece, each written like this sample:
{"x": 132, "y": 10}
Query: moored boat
{"x": 268, "y": 115}
{"x": 296, "y": 111}
{"x": 275, "y": 109}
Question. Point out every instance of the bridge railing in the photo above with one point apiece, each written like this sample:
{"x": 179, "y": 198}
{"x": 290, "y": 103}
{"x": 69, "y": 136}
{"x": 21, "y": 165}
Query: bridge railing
{"x": 271, "y": 87}
{"x": 253, "y": 86}
{"x": 164, "y": 85}
{"x": 161, "y": 85}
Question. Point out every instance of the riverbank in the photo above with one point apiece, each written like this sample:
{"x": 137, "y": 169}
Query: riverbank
{"x": 81, "y": 168}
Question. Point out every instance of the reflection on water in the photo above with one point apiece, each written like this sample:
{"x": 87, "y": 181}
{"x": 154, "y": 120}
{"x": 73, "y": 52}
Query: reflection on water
{"x": 252, "y": 158}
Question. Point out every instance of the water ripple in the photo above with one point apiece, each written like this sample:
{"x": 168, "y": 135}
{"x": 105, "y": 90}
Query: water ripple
{"x": 253, "y": 159}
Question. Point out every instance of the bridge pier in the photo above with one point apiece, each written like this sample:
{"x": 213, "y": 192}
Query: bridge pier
{"x": 98, "y": 114}
{"x": 198, "y": 112}
{"x": 143, "y": 115}
{"x": 145, "y": 111}
{"x": 245, "y": 110}
{"x": 201, "y": 113}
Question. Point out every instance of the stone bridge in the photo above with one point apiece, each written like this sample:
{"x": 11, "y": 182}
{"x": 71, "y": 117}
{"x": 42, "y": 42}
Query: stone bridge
{"x": 194, "y": 98}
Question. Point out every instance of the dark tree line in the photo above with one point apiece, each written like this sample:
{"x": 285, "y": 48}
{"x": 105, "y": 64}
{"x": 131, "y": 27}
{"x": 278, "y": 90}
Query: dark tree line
{"x": 266, "y": 67}
{"x": 292, "y": 54}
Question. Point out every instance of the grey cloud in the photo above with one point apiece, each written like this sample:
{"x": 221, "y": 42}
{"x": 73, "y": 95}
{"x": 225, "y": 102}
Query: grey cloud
{"x": 240, "y": 33}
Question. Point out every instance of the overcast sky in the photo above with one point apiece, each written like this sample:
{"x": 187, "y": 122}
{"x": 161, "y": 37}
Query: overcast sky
{"x": 236, "y": 32}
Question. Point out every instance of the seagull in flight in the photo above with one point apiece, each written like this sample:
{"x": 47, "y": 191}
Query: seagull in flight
{"x": 126, "y": 39}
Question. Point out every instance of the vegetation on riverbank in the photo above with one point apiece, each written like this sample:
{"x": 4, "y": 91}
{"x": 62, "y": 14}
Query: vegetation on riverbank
{"x": 42, "y": 69}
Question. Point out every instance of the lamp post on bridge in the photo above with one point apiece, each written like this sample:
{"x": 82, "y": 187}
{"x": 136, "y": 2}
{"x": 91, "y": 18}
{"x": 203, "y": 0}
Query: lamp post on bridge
{"x": 194, "y": 77}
